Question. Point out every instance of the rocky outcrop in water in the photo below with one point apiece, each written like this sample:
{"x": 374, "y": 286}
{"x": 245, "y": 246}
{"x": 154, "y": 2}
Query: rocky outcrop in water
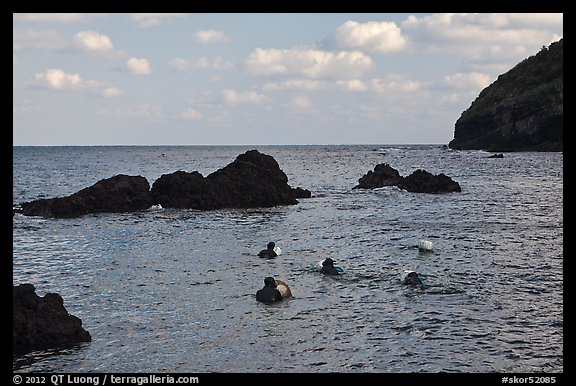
{"x": 383, "y": 175}
{"x": 422, "y": 181}
{"x": 252, "y": 180}
{"x": 419, "y": 181}
{"x": 43, "y": 322}
{"x": 120, "y": 193}
{"x": 522, "y": 110}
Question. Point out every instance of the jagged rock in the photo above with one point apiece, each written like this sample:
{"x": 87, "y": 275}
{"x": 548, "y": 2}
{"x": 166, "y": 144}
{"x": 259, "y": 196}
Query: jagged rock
{"x": 182, "y": 190}
{"x": 301, "y": 193}
{"x": 523, "y": 110}
{"x": 252, "y": 180}
{"x": 383, "y": 175}
{"x": 120, "y": 193}
{"x": 43, "y": 322}
{"x": 419, "y": 181}
{"x": 499, "y": 155}
{"x": 422, "y": 181}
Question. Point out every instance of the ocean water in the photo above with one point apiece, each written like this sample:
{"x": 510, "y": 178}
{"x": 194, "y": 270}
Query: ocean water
{"x": 173, "y": 290}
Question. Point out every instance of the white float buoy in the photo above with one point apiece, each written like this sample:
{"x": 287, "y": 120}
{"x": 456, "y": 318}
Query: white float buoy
{"x": 425, "y": 245}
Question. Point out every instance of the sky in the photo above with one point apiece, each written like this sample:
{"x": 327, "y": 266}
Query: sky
{"x": 259, "y": 78}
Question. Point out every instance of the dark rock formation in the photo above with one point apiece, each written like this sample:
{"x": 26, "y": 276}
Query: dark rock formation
{"x": 120, "y": 193}
{"x": 43, "y": 322}
{"x": 419, "y": 181}
{"x": 181, "y": 190}
{"x": 383, "y": 175}
{"x": 499, "y": 155}
{"x": 252, "y": 180}
{"x": 521, "y": 111}
{"x": 422, "y": 181}
{"x": 298, "y": 192}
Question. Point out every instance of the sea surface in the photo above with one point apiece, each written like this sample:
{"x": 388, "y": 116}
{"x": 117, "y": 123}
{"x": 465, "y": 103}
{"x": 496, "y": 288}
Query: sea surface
{"x": 173, "y": 290}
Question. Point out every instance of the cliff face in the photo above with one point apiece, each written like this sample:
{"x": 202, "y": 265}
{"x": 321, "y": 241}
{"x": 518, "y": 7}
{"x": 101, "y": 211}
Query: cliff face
{"x": 521, "y": 111}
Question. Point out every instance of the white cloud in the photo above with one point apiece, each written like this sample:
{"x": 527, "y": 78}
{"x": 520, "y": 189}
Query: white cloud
{"x": 393, "y": 84}
{"x": 316, "y": 85}
{"x": 93, "y": 41}
{"x": 138, "y": 66}
{"x": 501, "y": 36}
{"x": 56, "y": 17}
{"x": 296, "y": 84}
{"x": 191, "y": 114}
{"x": 509, "y": 20}
{"x": 111, "y": 92}
{"x": 146, "y": 20}
{"x": 203, "y": 63}
{"x": 234, "y": 97}
{"x": 308, "y": 63}
{"x": 180, "y": 64}
{"x": 145, "y": 110}
{"x": 57, "y": 79}
{"x": 216, "y": 64}
{"x": 374, "y": 36}
{"x": 210, "y": 36}
{"x": 302, "y": 102}
{"x": 472, "y": 81}
{"x": 352, "y": 85}
{"x": 38, "y": 40}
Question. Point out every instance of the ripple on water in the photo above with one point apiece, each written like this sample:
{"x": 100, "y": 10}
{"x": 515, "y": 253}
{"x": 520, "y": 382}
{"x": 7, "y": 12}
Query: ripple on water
{"x": 173, "y": 290}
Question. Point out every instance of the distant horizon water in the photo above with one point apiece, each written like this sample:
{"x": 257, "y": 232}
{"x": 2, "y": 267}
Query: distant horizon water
{"x": 248, "y": 144}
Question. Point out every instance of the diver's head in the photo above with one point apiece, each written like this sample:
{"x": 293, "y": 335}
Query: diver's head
{"x": 413, "y": 279}
{"x": 271, "y": 245}
{"x": 270, "y": 282}
{"x": 328, "y": 261}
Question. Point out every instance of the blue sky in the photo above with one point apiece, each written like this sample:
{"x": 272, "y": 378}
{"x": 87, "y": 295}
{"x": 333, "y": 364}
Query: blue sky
{"x": 187, "y": 79}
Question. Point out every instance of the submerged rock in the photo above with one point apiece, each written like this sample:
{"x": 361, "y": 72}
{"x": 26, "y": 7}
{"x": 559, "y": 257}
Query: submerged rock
{"x": 43, "y": 322}
{"x": 252, "y": 180}
{"x": 120, "y": 193}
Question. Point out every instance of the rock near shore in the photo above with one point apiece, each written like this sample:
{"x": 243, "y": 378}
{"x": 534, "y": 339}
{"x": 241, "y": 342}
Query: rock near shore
{"x": 43, "y": 322}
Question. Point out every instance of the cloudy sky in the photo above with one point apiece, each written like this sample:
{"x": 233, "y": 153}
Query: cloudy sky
{"x": 185, "y": 79}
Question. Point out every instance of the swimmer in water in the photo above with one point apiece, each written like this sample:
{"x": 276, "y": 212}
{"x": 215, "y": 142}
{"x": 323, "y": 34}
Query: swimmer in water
{"x": 269, "y": 252}
{"x": 328, "y": 267}
{"x": 269, "y": 294}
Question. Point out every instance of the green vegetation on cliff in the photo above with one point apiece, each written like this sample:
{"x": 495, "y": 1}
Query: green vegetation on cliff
{"x": 521, "y": 111}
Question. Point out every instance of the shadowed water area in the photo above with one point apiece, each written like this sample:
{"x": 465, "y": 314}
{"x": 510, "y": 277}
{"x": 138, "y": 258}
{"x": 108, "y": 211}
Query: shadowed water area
{"x": 173, "y": 290}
